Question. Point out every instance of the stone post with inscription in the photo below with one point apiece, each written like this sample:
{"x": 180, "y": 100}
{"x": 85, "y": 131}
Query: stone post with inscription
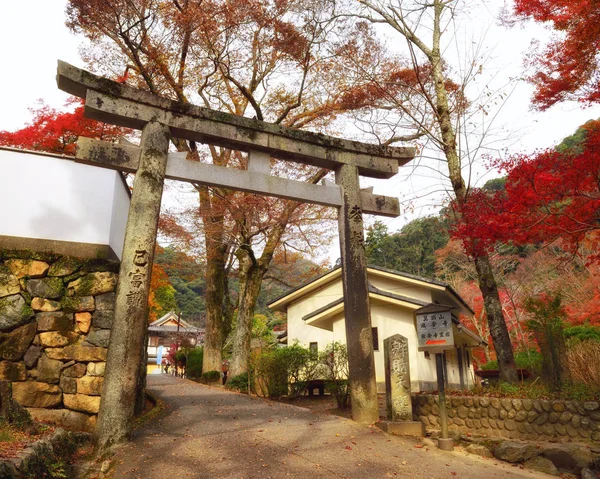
{"x": 397, "y": 378}
{"x": 125, "y": 352}
{"x": 397, "y": 389}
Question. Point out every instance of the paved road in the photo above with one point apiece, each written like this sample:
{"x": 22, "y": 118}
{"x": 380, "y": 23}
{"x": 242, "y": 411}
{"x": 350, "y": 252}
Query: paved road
{"x": 211, "y": 433}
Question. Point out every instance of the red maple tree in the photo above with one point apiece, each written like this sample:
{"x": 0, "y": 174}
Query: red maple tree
{"x": 549, "y": 196}
{"x": 568, "y": 67}
{"x": 56, "y": 131}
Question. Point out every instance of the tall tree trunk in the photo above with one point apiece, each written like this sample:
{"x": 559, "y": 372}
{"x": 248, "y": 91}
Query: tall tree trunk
{"x": 251, "y": 273}
{"x": 447, "y": 142}
{"x": 250, "y": 283}
{"x": 487, "y": 281}
{"x": 495, "y": 319}
{"x": 215, "y": 282}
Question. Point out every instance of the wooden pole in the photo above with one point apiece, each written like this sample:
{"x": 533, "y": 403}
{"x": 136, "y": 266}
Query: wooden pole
{"x": 445, "y": 443}
{"x": 125, "y": 352}
{"x": 359, "y": 338}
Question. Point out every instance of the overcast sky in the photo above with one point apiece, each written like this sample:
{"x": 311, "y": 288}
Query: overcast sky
{"x": 33, "y": 36}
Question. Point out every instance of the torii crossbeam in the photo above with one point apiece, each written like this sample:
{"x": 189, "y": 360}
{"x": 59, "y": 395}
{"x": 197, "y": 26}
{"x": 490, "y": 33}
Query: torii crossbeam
{"x": 161, "y": 119}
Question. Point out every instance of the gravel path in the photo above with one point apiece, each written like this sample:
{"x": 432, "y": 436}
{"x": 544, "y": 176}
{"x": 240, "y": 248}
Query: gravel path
{"x": 208, "y": 432}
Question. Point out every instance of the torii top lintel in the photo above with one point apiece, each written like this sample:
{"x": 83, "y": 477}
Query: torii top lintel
{"x": 122, "y": 105}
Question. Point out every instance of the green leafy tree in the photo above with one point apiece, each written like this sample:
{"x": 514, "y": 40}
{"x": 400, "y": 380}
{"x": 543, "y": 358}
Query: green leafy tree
{"x": 411, "y": 250}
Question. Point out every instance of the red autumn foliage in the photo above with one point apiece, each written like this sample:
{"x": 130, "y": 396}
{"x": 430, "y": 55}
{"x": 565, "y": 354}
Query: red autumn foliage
{"x": 57, "y": 131}
{"x": 548, "y": 196}
{"x": 568, "y": 67}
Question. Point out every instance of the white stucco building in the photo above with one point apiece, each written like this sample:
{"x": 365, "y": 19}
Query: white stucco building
{"x": 315, "y": 313}
{"x": 51, "y": 203}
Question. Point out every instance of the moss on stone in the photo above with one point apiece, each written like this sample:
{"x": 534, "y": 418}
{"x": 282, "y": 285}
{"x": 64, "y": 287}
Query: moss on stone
{"x": 50, "y": 288}
{"x": 100, "y": 265}
{"x": 66, "y": 265}
{"x": 26, "y": 254}
{"x": 27, "y": 312}
{"x": 4, "y": 271}
{"x": 73, "y": 277}
{"x": 4, "y": 304}
{"x": 26, "y": 296}
{"x": 69, "y": 304}
{"x": 85, "y": 285}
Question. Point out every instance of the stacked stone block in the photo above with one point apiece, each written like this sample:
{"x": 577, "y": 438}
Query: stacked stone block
{"x": 55, "y": 319}
{"x": 527, "y": 419}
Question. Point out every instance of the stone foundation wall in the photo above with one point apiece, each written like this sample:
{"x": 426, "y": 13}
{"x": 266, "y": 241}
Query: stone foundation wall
{"x": 55, "y": 318}
{"x": 527, "y": 419}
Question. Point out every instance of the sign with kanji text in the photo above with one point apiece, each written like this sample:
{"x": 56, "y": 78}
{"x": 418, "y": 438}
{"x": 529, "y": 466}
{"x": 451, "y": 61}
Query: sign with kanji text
{"x": 434, "y": 328}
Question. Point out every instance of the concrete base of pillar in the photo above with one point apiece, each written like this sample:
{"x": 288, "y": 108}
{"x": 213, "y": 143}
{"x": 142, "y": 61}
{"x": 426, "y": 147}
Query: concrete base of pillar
{"x": 446, "y": 444}
{"x": 403, "y": 428}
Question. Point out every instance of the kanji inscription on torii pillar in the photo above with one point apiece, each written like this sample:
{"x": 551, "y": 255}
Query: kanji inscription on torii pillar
{"x": 160, "y": 120}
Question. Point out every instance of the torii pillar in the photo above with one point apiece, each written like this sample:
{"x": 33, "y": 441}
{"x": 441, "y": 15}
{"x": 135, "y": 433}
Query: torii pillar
{"x": 357, "y": 312}
{"x": 131, "y": 303}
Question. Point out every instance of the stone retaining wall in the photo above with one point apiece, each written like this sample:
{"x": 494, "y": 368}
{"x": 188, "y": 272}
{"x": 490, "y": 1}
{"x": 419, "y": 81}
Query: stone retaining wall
{"x": 527, "y": 419}
{"x": 55, "y": 318}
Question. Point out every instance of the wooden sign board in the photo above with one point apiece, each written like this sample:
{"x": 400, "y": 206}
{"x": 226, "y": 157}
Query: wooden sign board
{"x": 434, "y": 328}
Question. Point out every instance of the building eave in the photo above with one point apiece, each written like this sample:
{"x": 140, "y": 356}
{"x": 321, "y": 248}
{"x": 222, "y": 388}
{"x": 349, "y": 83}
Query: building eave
{"x": 280, "y": 303}
{"x": 375, "y": 294}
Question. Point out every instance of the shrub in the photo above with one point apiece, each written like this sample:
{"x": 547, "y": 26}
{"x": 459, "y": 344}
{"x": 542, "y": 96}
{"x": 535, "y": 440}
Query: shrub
{"x": 269, "y": 375}
{"x": 181, "y": 357}
{"x": 194, "y": 362}
{"x": 238, "y": 383}
{"x": 282, "y": 371}
{"x": 530, "y": 360}
{"x": 300, "y": 366}
{"x": 530, "y": 390}
{"x": 335, "y": 362}
{"x": 582, "y": 333}
{"x": 211, "y": 376}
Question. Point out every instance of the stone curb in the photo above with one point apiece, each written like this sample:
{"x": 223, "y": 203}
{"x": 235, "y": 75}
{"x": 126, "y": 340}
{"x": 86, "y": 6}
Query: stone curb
{"x": 57, "y": 447}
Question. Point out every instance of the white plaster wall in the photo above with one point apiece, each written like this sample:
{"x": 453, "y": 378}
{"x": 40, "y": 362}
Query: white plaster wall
{"x": 302, "y": 332}
{"x": 120, "y": 213}
{"x": 52, "y": 198}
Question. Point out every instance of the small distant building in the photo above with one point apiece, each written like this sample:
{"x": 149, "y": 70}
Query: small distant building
{"x": 167, "y": 331}
{"x": 315, "y": 313}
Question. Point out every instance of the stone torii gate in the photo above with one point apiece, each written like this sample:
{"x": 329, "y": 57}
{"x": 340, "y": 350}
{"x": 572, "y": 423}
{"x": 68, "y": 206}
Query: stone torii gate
{"x": 161, "y": 119}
